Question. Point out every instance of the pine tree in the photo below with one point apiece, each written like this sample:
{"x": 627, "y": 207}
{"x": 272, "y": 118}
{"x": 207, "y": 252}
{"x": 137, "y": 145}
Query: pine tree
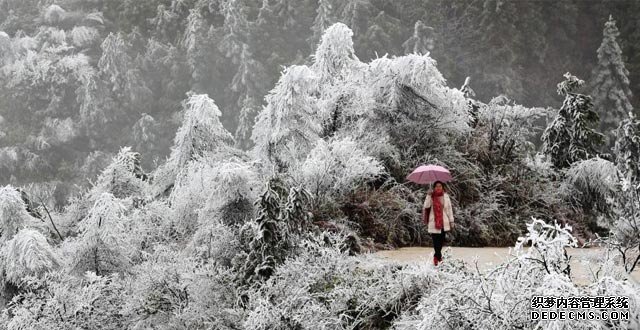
{"x": 201, "y": 131}
{"x": 571, "y": 136}
{"x": 249, "y": 77}
{"x": 288, "y": 127}
{"x": 102, "y": 246}
{"x": 611, "y": 91}
{"x": 627, "y": 148}
{"x": 326, "y": 15}
{"x": 335, "y": 55}
{"x": 276, "y": 231}
{"x": 422, "y": 40}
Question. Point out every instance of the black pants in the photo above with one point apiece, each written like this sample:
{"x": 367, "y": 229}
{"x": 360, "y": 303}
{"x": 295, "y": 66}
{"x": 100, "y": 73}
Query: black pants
{"x": 438, "y": 241}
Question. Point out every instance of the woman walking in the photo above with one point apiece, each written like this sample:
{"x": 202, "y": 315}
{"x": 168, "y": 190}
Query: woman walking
{"x": 437, "y": 214}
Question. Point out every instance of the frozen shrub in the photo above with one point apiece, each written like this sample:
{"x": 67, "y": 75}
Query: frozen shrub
{"x": 102, "y": 245}
{"x": 335, "y": 168}
{"x": 13, "y": 214}
{"x": 63, "y": 302}
{"x": 324, "y": 288}
{"x": 122, "y": 178}
{"x": 27, "y": 254}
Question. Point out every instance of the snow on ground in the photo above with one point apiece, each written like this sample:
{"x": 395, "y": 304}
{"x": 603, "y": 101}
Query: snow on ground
{"x": 491, "y": 256}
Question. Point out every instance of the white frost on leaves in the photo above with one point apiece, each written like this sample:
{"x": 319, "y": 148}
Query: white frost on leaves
{"x": 335, "y": 167}
{"x": 207, "y": 185}
{"x": 54, "y": 14}
{"x": 419, "y": 72}
{"x": 119, "y": 177}
{"x": 593, "y": 174}
{"x": 201, "y": 131}
{"x": 335, "y": 56}
{"x": 101, "y": 245}
{"x": 539, "y": 163}
{"x": 27, "y": 254}
{"x": 13, "y": 214}
{"x": 83, "y": 36}
{"x": 288, "y": 127}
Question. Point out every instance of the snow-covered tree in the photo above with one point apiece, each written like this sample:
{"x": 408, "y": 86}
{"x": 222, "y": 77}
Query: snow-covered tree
{"x": 288, "y": 127}
{"x": 123, "y": 177}
{"x": 41, "y": 74}
{"x": 571, "y": 135}
{"x": 201, "y": 134}
{"x": 421, "y": 42}
{"x": 27, "y": 254}
{"x": 210, "y": 191}
{"x": 118, "y": 68}
{"x": 13, "y": 214}
{"x": 610, "y": 83}
{"x": 102, "y": 246}
{"x": 410, "y": 86}
{"x": 146, "y": 133}
{"x": 201, "y": 131}
{"x": 326, "y": 15}
{"x": 273, "y": 234}
{"x": 594, "y": 183}
{"x": 627, "y": 148}
{"x": 248, "y": 82}
{"x": 625, "y": 224}
{"x": 335, "y": 57}
{"x": 333, "y": 168}
{"x": 624, "y": 230}
{"x": 250, "y": 77}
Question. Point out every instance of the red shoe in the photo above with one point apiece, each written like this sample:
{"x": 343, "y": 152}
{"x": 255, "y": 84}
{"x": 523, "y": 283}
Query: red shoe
{"x": 435, "y": 261}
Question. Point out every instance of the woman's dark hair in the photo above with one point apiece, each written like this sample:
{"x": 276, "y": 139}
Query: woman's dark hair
{"x": 444, "y": 187}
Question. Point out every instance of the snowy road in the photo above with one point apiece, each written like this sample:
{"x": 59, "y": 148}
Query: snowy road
{"x": 491, "y": 256}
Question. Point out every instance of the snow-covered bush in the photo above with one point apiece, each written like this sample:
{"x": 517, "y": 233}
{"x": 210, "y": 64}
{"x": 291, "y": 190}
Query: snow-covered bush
{"x": 209, "y": 190}
{"x": 123, "y": 177}
{"x": 387, "y": 215}
{"x": 64, "y": 302}
{"x": 13, "y": 214}
{"x": 274, "y": 234}
{"x": 504, "y": 131}
{"x": 541, "y": 164}
{"x": 214, "y": 242}
{"x": 150, "y": 225}
{"x": 102, "y": 245}
{"x": 27, "y": 254}
{"x": 593, "y": 181}
{"x": 323, "y": 288}
{"x": 334, "y": 168}
{"x": 624, "y": 229}
{"x": 171, "y": 291}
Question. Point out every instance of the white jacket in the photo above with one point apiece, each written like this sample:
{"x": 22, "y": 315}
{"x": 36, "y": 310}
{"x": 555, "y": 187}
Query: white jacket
{"x": 447, "y": 216}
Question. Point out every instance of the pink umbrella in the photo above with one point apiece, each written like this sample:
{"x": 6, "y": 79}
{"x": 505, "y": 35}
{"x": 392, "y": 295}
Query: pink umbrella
{"x": 429, "y": 173}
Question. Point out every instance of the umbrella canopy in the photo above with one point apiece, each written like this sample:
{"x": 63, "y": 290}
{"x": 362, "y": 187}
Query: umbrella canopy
{"x": 429, "y": 173}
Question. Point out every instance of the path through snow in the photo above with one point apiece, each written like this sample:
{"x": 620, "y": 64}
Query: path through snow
{"x": 492, "y": 256}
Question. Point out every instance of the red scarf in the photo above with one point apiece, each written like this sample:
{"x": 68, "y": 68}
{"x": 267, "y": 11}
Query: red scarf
{"x": 437, "y": 207}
